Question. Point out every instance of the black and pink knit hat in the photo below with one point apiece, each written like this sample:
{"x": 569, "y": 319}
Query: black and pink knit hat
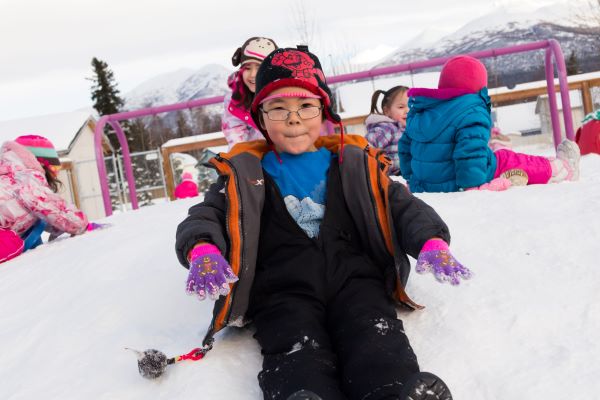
{"x": 42, "y": 148}
{"x": 292, "y": 67}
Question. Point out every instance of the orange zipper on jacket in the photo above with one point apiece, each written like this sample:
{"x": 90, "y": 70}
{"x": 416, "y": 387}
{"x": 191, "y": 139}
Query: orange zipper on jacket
{"x": 233, "y": 228}
{"x": 383, "y": 214}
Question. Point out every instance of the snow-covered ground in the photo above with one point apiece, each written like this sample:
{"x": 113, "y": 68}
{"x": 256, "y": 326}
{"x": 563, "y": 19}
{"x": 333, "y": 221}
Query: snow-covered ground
{"x": 524, "y": 328}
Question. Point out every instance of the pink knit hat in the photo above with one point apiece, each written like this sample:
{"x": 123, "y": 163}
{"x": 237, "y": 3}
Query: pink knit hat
{"x": 187, "y": 188}
{"x": 42, "y": 148}
{"x": 463, "y": 72}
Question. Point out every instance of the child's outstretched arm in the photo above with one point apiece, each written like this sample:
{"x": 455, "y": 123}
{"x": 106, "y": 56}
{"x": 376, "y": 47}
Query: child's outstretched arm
{"x": 36, "y": 196}
{"x": 471, "y": 151}
{"x": 423, "y": 235}
{"x": 205, "y": 223}
{"x": 414, "y": 221}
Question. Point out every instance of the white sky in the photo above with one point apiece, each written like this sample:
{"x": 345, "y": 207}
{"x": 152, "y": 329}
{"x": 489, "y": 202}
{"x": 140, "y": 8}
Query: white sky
{"x": 47, "y": 46}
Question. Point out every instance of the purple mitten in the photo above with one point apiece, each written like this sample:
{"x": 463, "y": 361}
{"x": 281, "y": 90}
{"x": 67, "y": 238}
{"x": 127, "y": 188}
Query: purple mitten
{"x": 435, "y": 257}
{"x": 209, "y": 272}
{"x": 92, "y": 226}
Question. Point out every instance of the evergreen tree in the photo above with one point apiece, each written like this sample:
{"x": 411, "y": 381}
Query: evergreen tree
{"x": 573, "y": 64}
{"x": 105, "y": 95}
{"x": 182, "y": 128}
{"x": 104, "y": 90}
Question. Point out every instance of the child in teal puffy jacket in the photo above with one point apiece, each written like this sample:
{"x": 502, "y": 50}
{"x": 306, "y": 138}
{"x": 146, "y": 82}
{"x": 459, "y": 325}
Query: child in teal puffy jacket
{"x": 445, "y": 145}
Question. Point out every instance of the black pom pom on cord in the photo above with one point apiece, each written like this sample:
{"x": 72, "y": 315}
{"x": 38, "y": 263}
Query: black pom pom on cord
{"x": 153, "y": 363}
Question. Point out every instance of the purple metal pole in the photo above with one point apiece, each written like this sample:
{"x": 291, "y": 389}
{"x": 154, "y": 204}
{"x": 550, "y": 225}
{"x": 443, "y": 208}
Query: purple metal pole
{"x": 564, "y": 88}
{"x": 556, "y": 133}
{"x": 98, "y": 135}
{"x": 126, "y": 163}
{"x": 144, "y": 112}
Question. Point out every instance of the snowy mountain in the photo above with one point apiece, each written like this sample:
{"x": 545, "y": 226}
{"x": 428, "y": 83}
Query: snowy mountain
{"x": 179, "y": 86}
{"x": 524, "y": 328}
{"x": 505, "y": 27}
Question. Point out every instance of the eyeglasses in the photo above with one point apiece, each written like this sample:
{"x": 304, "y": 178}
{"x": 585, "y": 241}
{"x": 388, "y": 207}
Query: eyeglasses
{"x": 281, "y": 114}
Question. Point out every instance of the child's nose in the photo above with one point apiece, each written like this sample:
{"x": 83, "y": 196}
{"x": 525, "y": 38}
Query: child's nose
{"x": 293, "y": 117}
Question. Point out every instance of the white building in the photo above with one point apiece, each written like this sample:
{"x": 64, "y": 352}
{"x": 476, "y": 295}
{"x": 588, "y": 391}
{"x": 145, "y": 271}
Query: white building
{"x": 72, "y": 134}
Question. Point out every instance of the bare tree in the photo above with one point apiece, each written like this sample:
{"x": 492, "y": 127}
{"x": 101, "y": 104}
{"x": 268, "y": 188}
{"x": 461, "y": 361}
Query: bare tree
{"x": 304, "y": 23}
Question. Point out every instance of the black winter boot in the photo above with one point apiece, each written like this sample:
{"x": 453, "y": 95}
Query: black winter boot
{"x": 425, "y": 386}
{"x": 304, "y": 395}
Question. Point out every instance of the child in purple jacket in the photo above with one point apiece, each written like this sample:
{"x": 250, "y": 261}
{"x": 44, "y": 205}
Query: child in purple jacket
{"x": 385, "y": 127}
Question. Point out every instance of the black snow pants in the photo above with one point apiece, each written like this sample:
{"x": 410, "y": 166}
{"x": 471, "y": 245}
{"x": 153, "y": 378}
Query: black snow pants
{"x": 320, "y": 308}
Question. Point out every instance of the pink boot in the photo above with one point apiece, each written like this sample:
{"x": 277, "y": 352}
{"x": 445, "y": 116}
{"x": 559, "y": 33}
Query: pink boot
{"x": 11, "y": 245}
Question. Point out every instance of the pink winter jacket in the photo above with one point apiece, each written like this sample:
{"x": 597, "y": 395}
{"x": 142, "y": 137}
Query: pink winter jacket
{"x": 237, "y": 123}
{"x": 26, "y": 197}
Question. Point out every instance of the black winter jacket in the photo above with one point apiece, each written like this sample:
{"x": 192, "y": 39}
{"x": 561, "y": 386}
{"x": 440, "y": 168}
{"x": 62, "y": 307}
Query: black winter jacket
{"x": 392, "y": 222}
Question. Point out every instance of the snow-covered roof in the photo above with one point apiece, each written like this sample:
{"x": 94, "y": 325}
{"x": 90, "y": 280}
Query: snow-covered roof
{"x": 193, "y": 139}
{"x": 61, "y": 129}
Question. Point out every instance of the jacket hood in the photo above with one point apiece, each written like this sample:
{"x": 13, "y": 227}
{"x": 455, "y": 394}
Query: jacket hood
{"x": 15, "y": 156}
{"x": 378, "y": 118}
{"x": 433, "y": 110}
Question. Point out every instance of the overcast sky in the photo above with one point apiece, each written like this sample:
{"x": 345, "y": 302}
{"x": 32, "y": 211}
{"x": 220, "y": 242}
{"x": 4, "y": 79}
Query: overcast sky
{"x": 46, "y": 45}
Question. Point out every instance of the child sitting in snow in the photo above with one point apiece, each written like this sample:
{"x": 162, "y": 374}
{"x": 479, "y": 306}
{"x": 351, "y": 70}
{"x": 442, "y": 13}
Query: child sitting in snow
{"x": 28, "y": 199}
{"x": 385, "y": 127}
{"x": 237, "y": 124}
{"x": 445, "y": 145}
{"x": 187, "y": 188}
{"x": 318, "y": 236}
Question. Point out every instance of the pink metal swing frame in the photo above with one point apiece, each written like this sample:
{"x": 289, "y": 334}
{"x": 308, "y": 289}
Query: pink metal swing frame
{"x": 553, "y": 52}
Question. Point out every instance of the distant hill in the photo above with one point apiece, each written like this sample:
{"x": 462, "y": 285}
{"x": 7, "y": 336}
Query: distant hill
{"x": 503, "y": 28}
{"x": 179, "y": 86}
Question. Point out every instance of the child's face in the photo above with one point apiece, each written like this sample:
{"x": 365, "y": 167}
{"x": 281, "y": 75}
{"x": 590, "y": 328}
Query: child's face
{"x": 249, "y": 75}
{"x": 294, "y": 135}
{"x": 398, "y": 109}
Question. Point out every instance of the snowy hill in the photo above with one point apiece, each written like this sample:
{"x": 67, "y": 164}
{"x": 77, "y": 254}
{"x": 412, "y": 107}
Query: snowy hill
{"x": 524, "y": 328}
{"x": 179, "y": 86}
{"x": 505, "y": 27}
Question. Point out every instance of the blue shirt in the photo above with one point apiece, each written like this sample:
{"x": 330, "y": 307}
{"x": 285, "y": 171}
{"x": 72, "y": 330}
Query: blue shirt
{"x": 302, "y": 181}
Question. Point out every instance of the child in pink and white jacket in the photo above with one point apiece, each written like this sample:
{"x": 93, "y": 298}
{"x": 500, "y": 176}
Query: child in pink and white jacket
{"x": 237, "y": 124}
{"x": 28, "y": 198}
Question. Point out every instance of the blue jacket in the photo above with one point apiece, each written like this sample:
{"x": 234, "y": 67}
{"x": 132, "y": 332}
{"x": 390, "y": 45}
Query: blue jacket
{"x": 445, "y": 145}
